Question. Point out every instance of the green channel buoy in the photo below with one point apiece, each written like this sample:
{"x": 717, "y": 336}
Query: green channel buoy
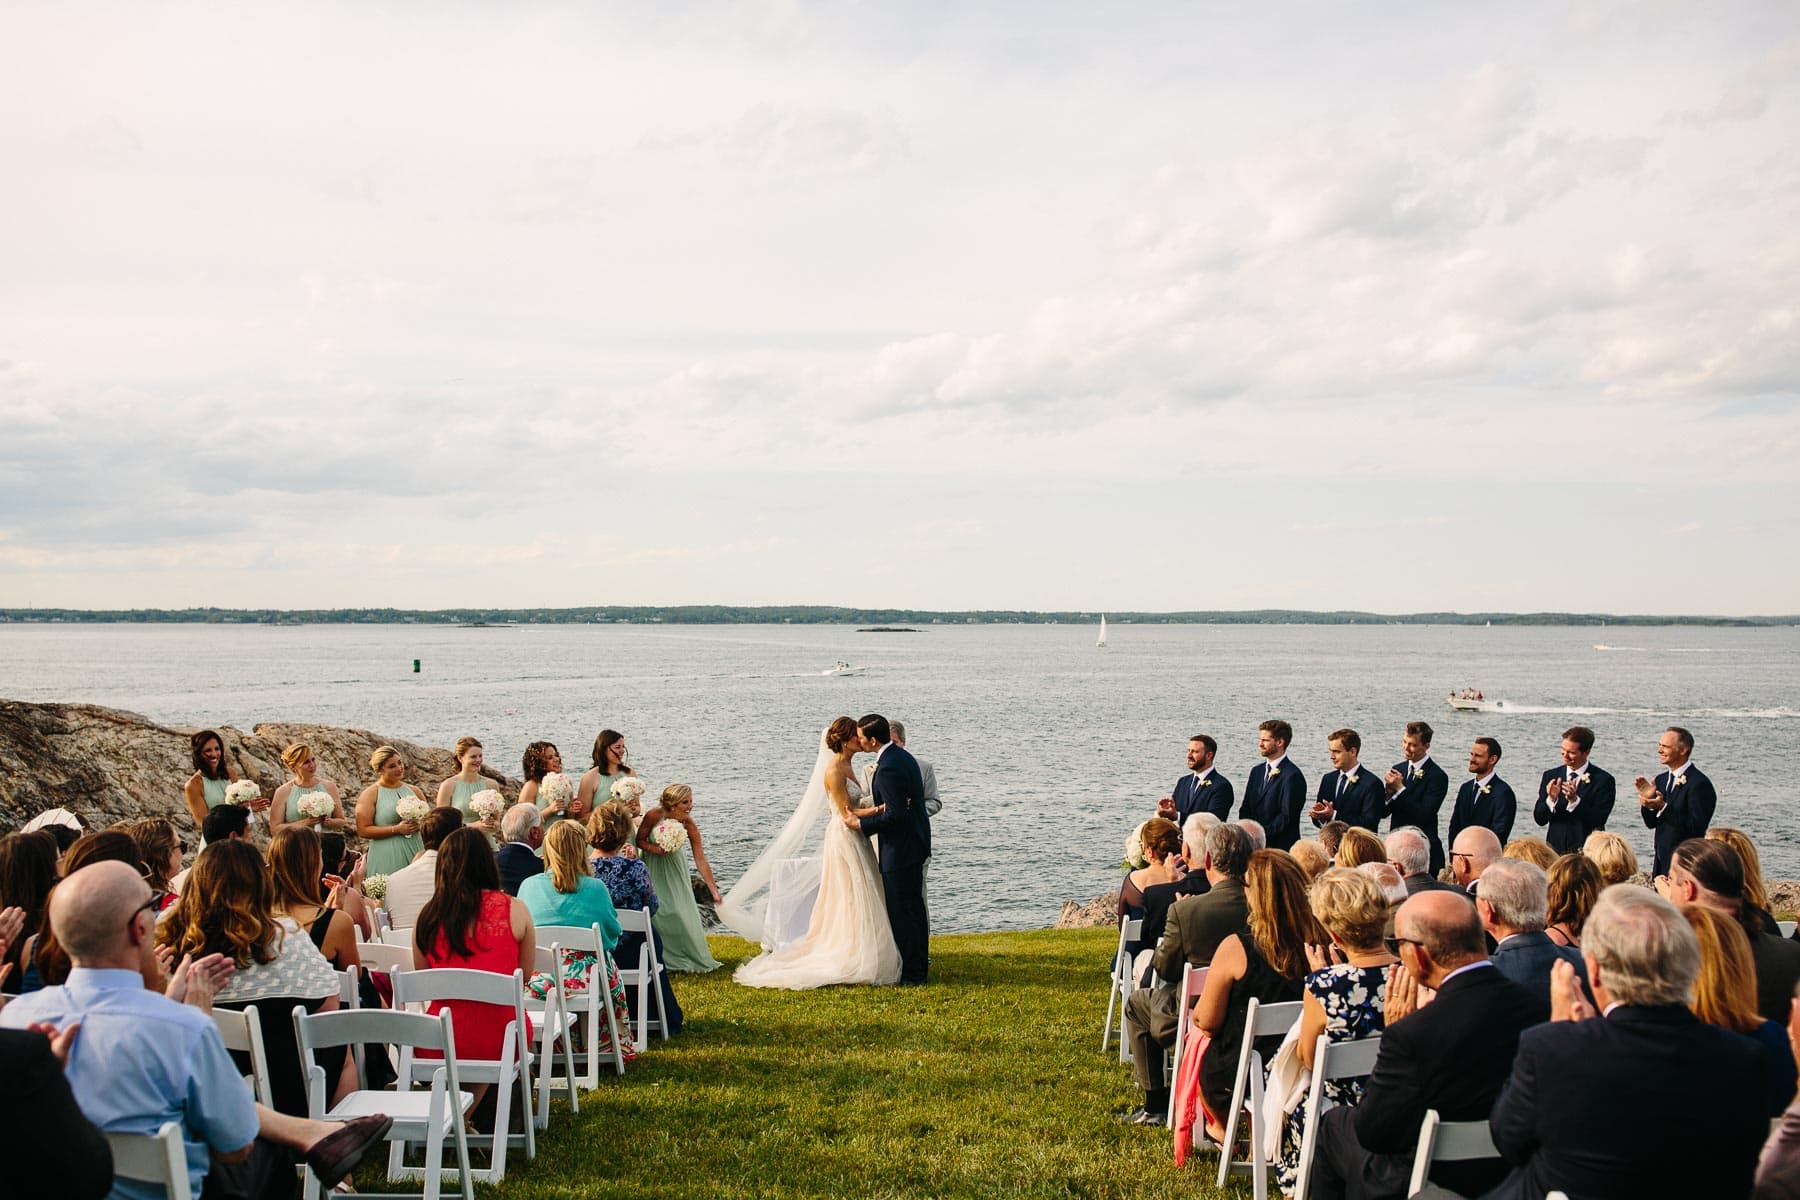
{"x": 415, "y": 666}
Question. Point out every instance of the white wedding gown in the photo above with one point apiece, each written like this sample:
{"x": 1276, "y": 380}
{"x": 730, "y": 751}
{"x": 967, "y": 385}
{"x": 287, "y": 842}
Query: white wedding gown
{"x": 848, "y": 939}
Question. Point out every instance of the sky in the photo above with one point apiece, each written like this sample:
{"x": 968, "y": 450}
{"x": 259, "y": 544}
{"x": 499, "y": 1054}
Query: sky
{"x": 1399, "y": 307}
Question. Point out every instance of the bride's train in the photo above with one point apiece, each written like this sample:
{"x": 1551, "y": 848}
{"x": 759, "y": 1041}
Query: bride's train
{"x": 848, "y": 939}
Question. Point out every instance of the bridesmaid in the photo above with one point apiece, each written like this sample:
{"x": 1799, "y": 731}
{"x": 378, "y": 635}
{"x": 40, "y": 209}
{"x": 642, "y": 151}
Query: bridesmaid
{"x": 678, "y": 919}
{"x": 299, "y": 759}
{"x": 205, "y": 789}
{"x": 456, "y": 791}
{"x": 393, "y": 843}
{"x": 541, "y": 758}
{"x": 609, "y": 765}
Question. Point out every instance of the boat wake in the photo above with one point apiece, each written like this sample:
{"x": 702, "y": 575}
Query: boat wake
{"x": 1721, "y": 714}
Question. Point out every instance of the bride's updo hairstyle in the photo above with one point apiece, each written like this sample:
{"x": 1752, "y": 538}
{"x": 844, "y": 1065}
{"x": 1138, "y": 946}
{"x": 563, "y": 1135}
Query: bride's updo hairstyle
{"x": 840, "y": 733}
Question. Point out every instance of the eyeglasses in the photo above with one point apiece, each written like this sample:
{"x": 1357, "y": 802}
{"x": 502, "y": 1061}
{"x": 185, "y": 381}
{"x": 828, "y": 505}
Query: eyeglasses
{"x": 1394, "y": 944}
{"x": 148, "y": 906}
{"x": 1455, "y": 854}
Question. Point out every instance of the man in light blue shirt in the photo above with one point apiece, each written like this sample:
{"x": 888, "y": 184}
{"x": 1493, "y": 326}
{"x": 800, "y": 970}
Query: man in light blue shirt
{"x": 142, "y": 1059}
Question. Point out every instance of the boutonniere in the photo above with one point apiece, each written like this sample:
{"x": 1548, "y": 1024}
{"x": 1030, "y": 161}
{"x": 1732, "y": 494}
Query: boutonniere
{"x": 1352, "y": 779}
{"x": 1274, "y": 771}
{"x": 1486, "y": 788}
{"x": 1586, "y": 779}
{"x": 1206, "y": 783}
{"x": 1679, "y": 780}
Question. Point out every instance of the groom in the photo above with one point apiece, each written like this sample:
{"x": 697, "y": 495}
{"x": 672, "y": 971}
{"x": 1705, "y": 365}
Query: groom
{"x": 905, "y": 830}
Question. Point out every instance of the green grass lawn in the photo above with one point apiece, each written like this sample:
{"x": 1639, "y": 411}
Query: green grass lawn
{"x": 987, "y": 1082}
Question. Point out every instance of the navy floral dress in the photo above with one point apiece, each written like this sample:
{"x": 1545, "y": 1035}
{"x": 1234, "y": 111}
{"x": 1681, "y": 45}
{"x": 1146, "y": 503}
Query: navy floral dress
{"x": 627, "y": 880}
{"x": 1352, "y": 998}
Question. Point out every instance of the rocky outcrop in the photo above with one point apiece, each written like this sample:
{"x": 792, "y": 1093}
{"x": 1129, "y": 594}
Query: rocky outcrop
{"x": 107, "y": 765}
{"x": 1101, "y": 910}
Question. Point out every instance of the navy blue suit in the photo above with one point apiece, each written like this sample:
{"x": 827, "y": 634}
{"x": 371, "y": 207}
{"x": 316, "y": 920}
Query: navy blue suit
{"x": 1496, "y": 810}
{"x": 1526, "y": 959}
{"x": 1359, "y": 803}
{"x": 1418, "y": 802}
{"x": 1275, "y": 806}
{"x": 905, "y": 831}
{"x": 1565, "y": 830}
{"x": 1215, "y": 797}
{"x": 1687, "y": 811}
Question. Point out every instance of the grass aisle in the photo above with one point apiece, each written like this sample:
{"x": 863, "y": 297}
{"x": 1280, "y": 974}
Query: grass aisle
{"x": 987, "y": 1082}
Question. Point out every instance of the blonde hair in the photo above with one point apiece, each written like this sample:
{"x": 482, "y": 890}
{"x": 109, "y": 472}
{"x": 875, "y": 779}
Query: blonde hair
{"x": 565, "y": 854}
{"x": 463, "y": 745}
{"x": 1311, "y": 856}
{"x": 382, "y": 756}
{"x": 1359, "y": 846}
{"x": 1754, "y": 891}
{"x": 675, "y": 793}
{"x": 1351, "y": 906}
{"x": 610, "y": 826}
{"x": 1725, "y": 992}
{"x": 1531, "y": 849}
{"x": 294, "y": 755}
{"x": 1612, "y": 854}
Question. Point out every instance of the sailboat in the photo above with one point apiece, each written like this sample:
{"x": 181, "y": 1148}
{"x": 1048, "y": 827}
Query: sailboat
{"x": 1100, "y": 642}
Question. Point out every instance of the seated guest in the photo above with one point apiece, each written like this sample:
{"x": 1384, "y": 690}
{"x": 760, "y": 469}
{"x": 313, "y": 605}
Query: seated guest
{"x": 1531, "y": 849}
{"x": 1162, "y": 853}
{"x": 27, "y": 873}
{"x": 295, "y": 868}
{"x": 1410, "y": 852}
{"x": 1612, "y": 854}
{"x": 1159, "y": 897}
{"x": 1778, "y": 1170}
{"x": 1574, "y": 883}
{"x": 50, "y": 1149}
{"x": 627, "y": 881}
{"x": 522, "y": 832}
{"x": 159, "y": 849}
{"x": 1191, "y": 937}
{"x": 1573, "y": 1116}
{"x": 144, "y": 1059}
{"x": 1345, "y": 990}
{"x": 1725, "y": 995}
{"x": 1710, "y": 874}
{"x": 341, "y": 874}
{"x": 565, "y": 894}
{"x": 1393, "y": 888}
{"x": 228, "y": 908}
{"x": 1258, "y": 834}
{"x": 1474, "y": 850}
{"x": 412, "y": 885}
{"x": 223, "y": 823}
{"x": 1311, "y": 856}
{"x": 1511, "y": 904}
{"x": 1265, "y": 960}
{"x": 47, "y": 962}
{"x": 471, "y": 924}
{"x": 1756, "y": 893}
{"x": 1331, "y": 833}
{"x": 1359, "y": 846}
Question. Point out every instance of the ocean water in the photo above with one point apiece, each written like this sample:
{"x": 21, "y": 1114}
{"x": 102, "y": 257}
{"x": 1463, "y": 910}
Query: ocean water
{"x": 1048, "y": 751}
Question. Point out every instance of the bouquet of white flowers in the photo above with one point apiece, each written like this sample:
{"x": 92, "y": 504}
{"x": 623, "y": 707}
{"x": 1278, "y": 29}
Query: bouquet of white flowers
{"x": 487, "y": 805}
{"x": 555, "y": 791}
{"x": 670, "y": 835}
{"x": 1134, "y": 849}
{"x": 243, "y": 792}
{"x": 375, "y": 888}
{"x": 316, "y": 804}
{"x": 627, "y": 789}
{"x": 412, "y": 809}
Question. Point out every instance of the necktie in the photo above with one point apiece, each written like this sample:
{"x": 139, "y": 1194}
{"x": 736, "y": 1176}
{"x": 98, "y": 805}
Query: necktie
{"x": 1343, "y": 780}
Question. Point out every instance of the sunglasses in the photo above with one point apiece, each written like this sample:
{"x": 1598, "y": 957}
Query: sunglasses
{"x": 1394, "y": 944}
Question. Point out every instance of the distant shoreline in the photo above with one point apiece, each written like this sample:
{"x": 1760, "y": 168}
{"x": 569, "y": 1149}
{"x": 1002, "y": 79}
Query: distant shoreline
{"x": 708, "y": 614}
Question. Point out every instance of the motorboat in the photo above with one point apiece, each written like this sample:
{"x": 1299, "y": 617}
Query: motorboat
{"x": 1471, "y": 700}
{"x": 841, "y": 667}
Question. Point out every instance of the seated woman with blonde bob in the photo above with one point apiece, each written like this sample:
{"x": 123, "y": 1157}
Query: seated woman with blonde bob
{"x": 1612, "y": 854}
{"x": 1358, "y": 846}
{"x": 1531, "y": 849}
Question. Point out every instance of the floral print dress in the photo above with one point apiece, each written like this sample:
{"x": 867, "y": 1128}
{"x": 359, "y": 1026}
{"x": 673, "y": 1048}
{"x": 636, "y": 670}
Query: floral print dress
{"x": 1352, "y": 998}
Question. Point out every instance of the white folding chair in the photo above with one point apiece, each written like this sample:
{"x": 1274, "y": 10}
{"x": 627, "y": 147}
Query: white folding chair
{"x": 1448, "y": 1141}
{"x": 591, "y": 1003}
{"x": 1118, "y": 989}
{"x": 513, "y": 1069}
{"x": 646, "y": 976}
{"x": 389, "y": 936}
{"x": 423, "y": 1117}
{"x": 242, "y": 1031}
{"x": 1786, "y": 928}
{"x": 158, "y": 1158}
{"x": 553, "y": 1029}
{"x": 1192, "y": 980}
{"x": 1262, "y": 1020}
{"x": 379, "y": 956}
{"x": 1331, "y": 1060}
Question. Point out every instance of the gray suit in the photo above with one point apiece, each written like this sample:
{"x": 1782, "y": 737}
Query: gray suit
{"x": 1196, "y": 925}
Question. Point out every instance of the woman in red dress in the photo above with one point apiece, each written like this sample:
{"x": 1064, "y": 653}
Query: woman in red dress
{"x": 473, "y": 925}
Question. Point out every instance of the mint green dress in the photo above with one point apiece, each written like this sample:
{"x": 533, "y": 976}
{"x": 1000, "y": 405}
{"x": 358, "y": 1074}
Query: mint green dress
{"x": 292, "y": 812}
{"x": 389, "y": 854}
{"x": 215, "y": 791}
{"x": 461, "y": 792}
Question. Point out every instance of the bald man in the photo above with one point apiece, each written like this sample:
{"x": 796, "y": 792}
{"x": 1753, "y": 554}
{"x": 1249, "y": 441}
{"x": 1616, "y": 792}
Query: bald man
{"x": 1474, "y": 851}
{"x": 141, "y": 1059}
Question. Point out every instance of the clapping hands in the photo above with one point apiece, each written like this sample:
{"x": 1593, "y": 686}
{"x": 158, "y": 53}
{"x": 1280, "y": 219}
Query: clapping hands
{"x": 197, "y": 981}
{"x": 1648, "y": 796}
{"x": 1568, "y": 1000}
{"x": 1319, "y": 957}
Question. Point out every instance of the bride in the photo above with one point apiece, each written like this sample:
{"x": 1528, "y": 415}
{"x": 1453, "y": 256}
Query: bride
{"x": 847, "y": 938}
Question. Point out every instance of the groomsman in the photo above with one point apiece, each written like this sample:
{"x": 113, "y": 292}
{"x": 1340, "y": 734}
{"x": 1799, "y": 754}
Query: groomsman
{"x": 1201, "y": 789}
{"x": 1416, "y": 789}
{"x": 1576, "y": 798}
{"x": 1350, "y": 793}
{"x": 1276, "y": 790}
{"x": 1486, "y": 799}
{"x": 1679, "y": 805}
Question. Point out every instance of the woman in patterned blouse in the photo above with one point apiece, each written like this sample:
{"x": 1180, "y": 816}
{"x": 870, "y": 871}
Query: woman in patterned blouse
{"x": 628, "y": 881}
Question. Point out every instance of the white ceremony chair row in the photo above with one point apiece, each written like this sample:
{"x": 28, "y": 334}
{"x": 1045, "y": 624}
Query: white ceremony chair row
{"x": 241, "y": 1030}
{"x": 1450, "y": 1141}
{"x": 1331, "y": 1060}
{"x": 1118, "y": 989}
{"x": 423, "y": 1117}
{"x": 646, "y": 977}
{"x": 594, "y": 1001}
{"x": 1192, "y": 980}
{"x": 159, "y": 1158}
{"x": 1262, "y": 1020}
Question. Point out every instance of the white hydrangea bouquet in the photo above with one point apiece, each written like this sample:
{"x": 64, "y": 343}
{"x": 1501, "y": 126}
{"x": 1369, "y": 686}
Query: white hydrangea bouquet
{"x": 412, "y": 809}
{"x": 555, "y": 791}
{"x": 243, "y": 792}
{"x": 1134, "y": 849}
{"x": 627, "y": 790}
{"x": 375, "y": 888}
{"x": 316, "y": 804}
{"x": 487, "y": 805}
{"x": 670, "y": 835}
